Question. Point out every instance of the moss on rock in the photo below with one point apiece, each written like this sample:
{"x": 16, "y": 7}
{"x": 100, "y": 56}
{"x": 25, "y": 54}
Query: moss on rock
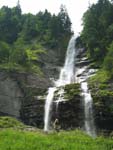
{"x": 71, "y": 90}
{"x": 9, "y": 122}
{"x": 102, "y": 93}
{"x": 30, "y": 91}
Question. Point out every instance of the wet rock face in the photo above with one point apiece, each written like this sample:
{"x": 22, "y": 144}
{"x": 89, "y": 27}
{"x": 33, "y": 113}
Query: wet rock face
{"x": 69, "y": 111}
{"x": 10, "y": 96}
{"x": 102, "y": 94}
{"x": 32, "y": 113}
{"x": 103, "y": 106}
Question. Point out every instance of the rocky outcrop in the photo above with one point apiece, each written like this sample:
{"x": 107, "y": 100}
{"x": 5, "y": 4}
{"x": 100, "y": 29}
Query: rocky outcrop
{"x": 22, "y": 96}
{"x": 18, "y": 96}
{"x": 103, "y": 106}
{"x": 50, "y": 63}
{"x": 32, "y": 112}
{"x": 10, "y": 95}
{"x": 69, "y": 111}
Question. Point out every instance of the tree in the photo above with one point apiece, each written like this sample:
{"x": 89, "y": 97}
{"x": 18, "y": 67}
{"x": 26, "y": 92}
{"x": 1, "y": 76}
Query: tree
{"x": 108, "y": 61}
{"x": 9, "y": 24}
{"x": 23, "y": 32}
{"x": 96, "y": 22}
{"x": 65, "y": 23}
{"x": 4, "y": 52}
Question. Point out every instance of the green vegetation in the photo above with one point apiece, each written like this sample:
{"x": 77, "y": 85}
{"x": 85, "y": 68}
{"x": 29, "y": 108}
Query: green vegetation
{"x": 108, "y": 61}
{"x": 14, "y": 135}
{"x": 97, "y": 38}
{"x": 101, "y": 76}
{"x": 8, "y": 122}
{"x": 72, "y": 140}
{"x": 96, "y": 35}
{"x": 102, "y": 92}
{"x": 24, "y": 37}
{"x": 71, "y": 90}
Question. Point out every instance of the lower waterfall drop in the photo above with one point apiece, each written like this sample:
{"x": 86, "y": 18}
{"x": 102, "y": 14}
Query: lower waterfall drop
{"x": 88, "y": 110}
{"x": 82, "y": 74}
{"x": 48, "y": 103}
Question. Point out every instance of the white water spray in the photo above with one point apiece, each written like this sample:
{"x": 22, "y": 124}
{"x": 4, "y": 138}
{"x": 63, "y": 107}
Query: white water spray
{"x": 66, "y": 76}
{"x": 67, "y": 72}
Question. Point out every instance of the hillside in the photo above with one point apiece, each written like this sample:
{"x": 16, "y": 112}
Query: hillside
{"x": 32, "y": 48}
{"x": 28, "y": 42}
{"x": 33, "y": 81}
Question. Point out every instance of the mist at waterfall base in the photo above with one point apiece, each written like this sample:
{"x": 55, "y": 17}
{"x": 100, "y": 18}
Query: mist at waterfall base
{"x": 68, "y": 75}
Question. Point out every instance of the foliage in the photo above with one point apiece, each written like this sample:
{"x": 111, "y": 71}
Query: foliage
{"x": 108, "y": 61}
{"x": 8, "y": 122}
{"x": 23, "y": 37}
{"x": 70, "y": 140}
{"x": 97, "y": 29}
{"x": 101, "y": 90}
{"x": 71, "y": 90}
{"x": 101, "y": 76}
{"x": 19, "y": 58}
{"x": 10, "y": 24}
{"x": 105, "y": 74}
{"x": 4, "y": 52}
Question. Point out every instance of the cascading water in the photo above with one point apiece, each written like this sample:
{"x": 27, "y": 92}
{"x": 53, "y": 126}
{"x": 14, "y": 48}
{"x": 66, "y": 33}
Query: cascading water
{"x": 48, "y": 103}
{"x": 84, "y": 73}
{"x": 88, "y": 110}
{"x": 66, "y": 76}
{"x": 67, "y": 72}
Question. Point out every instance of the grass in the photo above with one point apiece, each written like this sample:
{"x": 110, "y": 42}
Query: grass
{"x": 11, "y": 139}
{"x": 8, "y": 122}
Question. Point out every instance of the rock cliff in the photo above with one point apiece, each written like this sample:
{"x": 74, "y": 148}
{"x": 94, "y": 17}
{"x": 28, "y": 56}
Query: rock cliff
{"x": 69, "y": 111}
{"x": 19, "y": 96}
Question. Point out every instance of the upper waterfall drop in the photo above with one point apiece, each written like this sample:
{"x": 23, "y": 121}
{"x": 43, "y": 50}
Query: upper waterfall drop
{"x": 67, "y": 72}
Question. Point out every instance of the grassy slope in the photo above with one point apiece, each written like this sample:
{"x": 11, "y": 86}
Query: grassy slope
{"x": 11, "y": 139}
{"x": 16, "y": 136}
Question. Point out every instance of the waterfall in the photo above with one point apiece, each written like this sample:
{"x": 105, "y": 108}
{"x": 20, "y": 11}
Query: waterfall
{"x": 48, "y": 103}
{"x": 88, "y": 110}
{"x": 67, "y": 72}
{"x": 66, "y": 76}
{"x": 84, "y": 73}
